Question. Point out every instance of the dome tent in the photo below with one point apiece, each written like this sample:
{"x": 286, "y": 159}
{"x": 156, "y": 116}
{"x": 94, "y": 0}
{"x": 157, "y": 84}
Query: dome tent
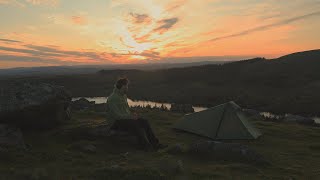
{"x": 225, "y": 121}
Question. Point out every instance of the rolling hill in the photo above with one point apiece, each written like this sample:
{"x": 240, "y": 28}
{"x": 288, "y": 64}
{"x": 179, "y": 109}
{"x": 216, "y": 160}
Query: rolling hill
{"x": 289, "y": 84}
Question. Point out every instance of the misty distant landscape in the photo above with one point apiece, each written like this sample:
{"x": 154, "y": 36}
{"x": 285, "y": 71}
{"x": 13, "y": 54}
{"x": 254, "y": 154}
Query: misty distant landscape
{"x": 289, "y": 84}
{"x": 85, "y": 69}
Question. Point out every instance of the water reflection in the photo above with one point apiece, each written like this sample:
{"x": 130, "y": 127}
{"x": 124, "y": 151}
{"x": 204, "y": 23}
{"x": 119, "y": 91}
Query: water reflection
{"x": 276, "y": 116}
{"x": 270, "y": 115}
{"x": 100, "y": 100}
{"x": 316, "y": 119}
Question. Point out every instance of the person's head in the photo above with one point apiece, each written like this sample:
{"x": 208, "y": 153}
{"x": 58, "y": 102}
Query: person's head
{"x": 122, "y": 85}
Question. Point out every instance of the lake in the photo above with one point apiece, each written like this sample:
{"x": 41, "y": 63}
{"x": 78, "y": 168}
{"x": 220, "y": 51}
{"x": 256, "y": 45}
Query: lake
{"x": 275, "y": 116}
{"x": 100, "y": 100}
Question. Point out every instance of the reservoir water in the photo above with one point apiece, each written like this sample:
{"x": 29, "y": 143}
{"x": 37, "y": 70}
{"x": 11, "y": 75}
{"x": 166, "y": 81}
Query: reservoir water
{"x": 100, "y": 100}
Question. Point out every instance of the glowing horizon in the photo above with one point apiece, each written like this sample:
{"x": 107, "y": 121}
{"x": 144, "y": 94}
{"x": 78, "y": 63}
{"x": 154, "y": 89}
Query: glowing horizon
{"x": 60, "y": 32}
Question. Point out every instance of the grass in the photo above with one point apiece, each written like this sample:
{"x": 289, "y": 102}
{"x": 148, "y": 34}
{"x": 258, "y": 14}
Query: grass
{"x": 293, "y": 150}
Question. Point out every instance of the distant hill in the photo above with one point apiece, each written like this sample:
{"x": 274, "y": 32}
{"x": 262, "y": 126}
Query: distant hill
{"x": 86, "y": 69}
{"x": 305, "y": 55}
{"x": 289, "y": 84}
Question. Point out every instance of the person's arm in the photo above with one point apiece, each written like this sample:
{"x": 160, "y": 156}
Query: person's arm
{"x": 116, "y": 112}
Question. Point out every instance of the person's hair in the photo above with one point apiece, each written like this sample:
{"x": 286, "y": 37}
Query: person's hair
{"x": 122, "y": 82}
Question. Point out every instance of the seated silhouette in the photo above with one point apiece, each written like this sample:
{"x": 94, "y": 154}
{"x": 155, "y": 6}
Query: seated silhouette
{"x": 121, "y": 118}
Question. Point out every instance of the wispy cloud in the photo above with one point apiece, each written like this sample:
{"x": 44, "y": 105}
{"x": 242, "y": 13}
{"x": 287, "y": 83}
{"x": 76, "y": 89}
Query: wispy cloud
{"x": 30, "y": 59}
{"x": 175, "y": 5}
{"x": 27, "y": 51}
{"x": 165, "y": 25}
{"x": 39, "y": 53}
{"x": 266, "y": 27}
{"x": 9, "y": 40}
{"x": 140, "y": 18}
{"x": 59, "y": 52}
{"x": 120, "y": 30}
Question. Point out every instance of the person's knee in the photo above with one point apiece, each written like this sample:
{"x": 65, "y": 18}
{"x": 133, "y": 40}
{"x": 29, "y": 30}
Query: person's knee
{"x": 129, "y": 125}
{"x": 144, "y": 121}
{"x": 134, "y": 124}
{"x": 135, "y": 129}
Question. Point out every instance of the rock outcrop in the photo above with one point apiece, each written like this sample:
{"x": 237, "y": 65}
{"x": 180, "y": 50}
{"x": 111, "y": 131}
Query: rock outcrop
{"x": 11, "y": 137}
{"x": 82, "y": 104}
{"x": 34, "y": 106}
{"x": 176, "y": 149}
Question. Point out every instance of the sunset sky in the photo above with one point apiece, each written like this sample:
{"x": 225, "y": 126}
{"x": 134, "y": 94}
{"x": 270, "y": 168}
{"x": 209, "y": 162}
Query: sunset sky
{"x": 74, "y": 32}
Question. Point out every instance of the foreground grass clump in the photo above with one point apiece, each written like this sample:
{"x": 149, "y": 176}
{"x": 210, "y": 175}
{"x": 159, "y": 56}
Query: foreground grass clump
{"x": 293, "y": 150}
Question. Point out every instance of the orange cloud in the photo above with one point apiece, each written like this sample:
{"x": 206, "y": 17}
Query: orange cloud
{"x": 165, "y": 25}
{"x": 175, "y": 5}
{"x": 138, "y": 31}
{"x": 21, "y": 52}
{"x": 140, "y": 18}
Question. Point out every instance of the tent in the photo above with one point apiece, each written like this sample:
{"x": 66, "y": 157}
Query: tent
{"x": 225, "y": 121}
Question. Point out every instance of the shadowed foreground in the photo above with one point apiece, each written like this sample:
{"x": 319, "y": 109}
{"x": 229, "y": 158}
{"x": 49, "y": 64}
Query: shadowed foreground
{"x": 69, "y": 152}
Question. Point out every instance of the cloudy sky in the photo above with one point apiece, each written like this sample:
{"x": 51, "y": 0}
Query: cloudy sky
{"x": 71, "y": 32}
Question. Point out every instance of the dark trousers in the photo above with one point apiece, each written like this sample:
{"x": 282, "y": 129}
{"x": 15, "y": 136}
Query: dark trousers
{"x": 140, "y": 128}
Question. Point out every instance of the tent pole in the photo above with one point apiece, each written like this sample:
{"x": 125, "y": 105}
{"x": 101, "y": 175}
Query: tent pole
{"x": 220, "y": 122}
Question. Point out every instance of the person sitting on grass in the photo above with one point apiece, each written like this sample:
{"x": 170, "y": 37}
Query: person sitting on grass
{"x": 121, "y": 118}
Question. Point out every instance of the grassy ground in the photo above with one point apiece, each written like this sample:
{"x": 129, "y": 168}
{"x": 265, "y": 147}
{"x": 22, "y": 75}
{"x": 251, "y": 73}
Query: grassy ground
{"x": 293, "y": 150}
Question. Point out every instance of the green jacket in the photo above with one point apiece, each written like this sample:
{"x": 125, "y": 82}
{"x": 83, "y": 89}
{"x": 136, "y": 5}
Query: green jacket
{"x": 117, "y": 107}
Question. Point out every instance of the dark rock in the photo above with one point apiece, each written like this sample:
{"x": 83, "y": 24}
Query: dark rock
{"x": 34, "y": 106}
{"x": 226, "y": 151}
{"x": 180, "y": 167}
{"x": 89, "y": 148}
{"x": 176, "y": 149}
{"x": 298, "y": 119}
{"x": 11, "y": 136}
{"x": 182, "y": 108}
{"x": 82, "y": 104}
{"x": 125, "y": 155}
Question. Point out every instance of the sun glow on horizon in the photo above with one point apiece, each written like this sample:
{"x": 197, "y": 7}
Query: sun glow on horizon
{"x": 137, "y": 57}
{"x": 125, "y": 31}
